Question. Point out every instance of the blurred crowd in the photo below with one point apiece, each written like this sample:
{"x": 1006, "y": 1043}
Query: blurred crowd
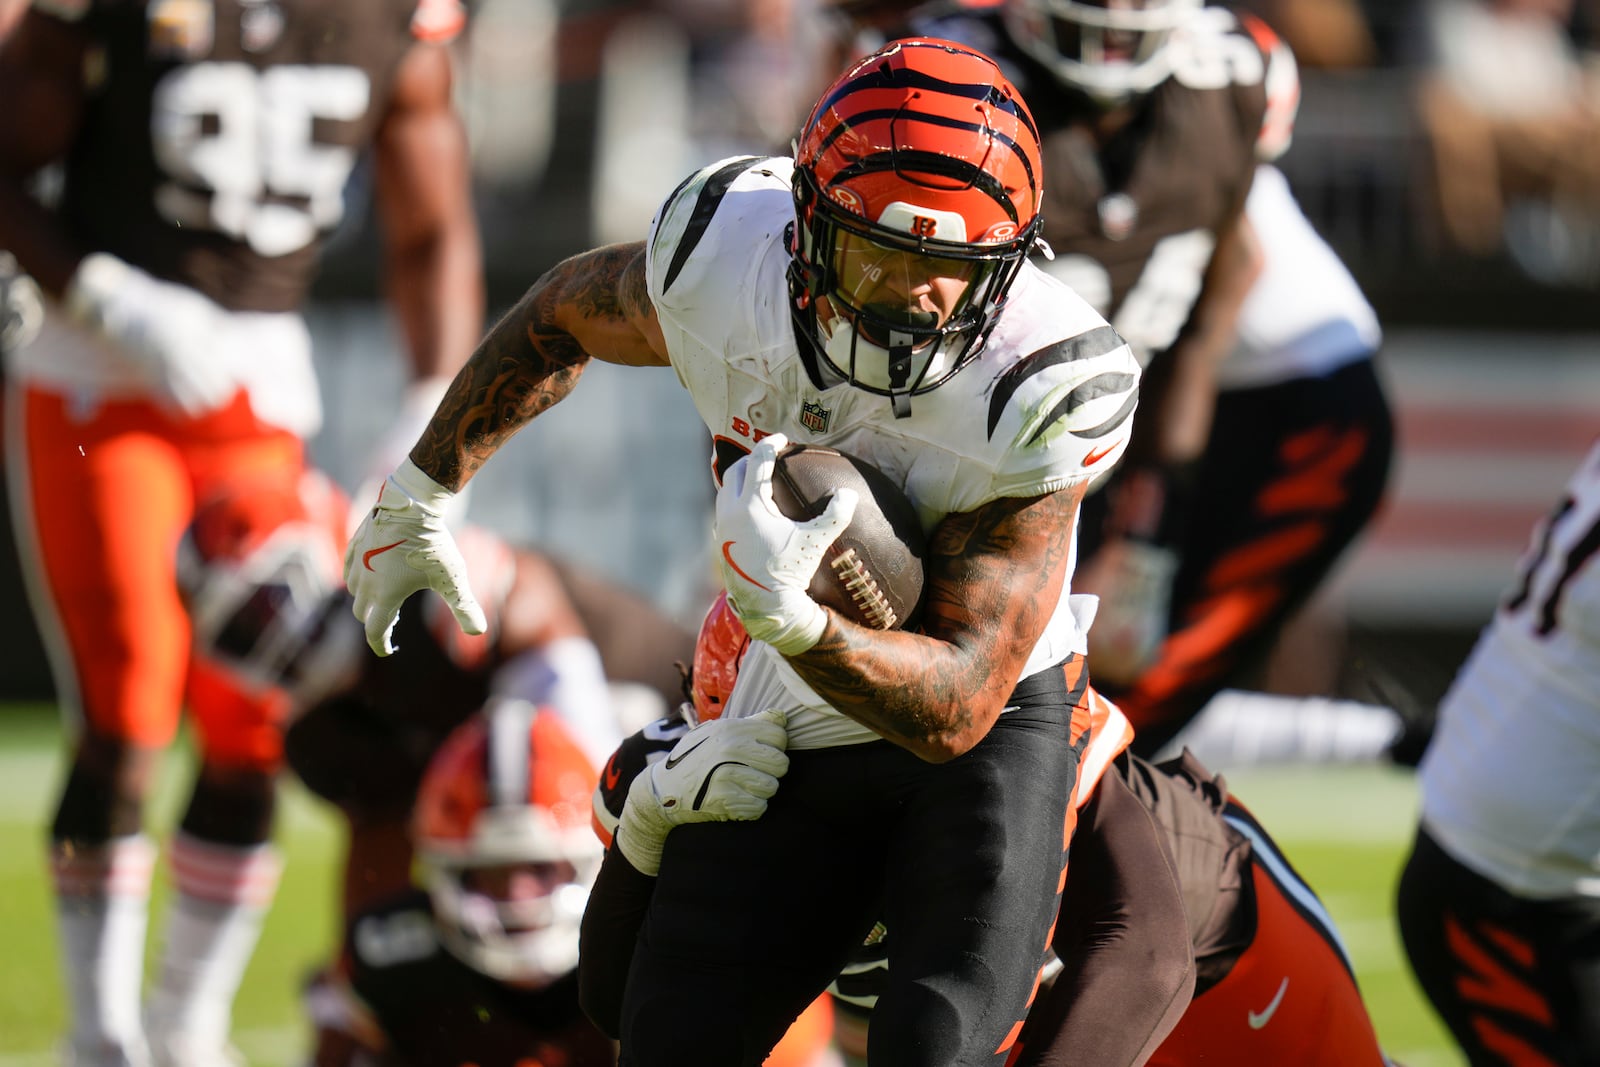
{"x": 1456, "y": 135}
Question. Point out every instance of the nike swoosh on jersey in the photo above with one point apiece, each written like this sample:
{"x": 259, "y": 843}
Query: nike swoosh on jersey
{"x": 673, "y": 761}
{"x": 366, "y": 557}
{"x": 1098, "y": 454}
{"x": 1258, "y": 1019}
{"x": 727, "y": 555}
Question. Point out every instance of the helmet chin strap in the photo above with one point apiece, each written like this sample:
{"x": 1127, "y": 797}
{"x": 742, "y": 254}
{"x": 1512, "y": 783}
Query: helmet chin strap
{"x": 900, "y": 345}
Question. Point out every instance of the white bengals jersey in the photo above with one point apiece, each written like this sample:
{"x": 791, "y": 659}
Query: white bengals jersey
{"x": 1511, "y": 780}
{"x": 1046, "y": 404}
{"x": 1305, "y": 315}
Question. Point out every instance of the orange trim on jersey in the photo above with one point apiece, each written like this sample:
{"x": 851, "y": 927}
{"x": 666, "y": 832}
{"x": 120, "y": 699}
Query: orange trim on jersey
{"x": 1508, "y": 1046}
{"x": 599, "y": 830}
{"x": 1488, "y": 982}
{"x": 1263, "y": 35}
{"x": 1113, "y": 733}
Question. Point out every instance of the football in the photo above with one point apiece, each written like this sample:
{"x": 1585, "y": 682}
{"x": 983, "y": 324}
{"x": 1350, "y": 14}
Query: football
{"x": 872, "y": 574}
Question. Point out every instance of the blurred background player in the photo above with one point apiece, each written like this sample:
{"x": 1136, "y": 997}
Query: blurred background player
{"x": 1265, "y": 437}
{"x": 203, "y": 150}
{"x": 1294, "y": 469}
{"x": 478, "y": 963}
{"x": 1499, "y": 903}
{"x": 273, "y": 618}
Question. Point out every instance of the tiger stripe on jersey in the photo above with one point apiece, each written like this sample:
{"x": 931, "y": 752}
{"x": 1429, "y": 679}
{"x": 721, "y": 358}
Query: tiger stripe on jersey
{"x": 1090, "y": 345}
{"x": 1109, "y": 384}
{"x": 705, "y": 206}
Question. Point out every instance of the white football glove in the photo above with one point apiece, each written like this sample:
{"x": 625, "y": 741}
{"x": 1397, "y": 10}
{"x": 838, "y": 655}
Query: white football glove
{"x": 173, "y": 333}
{"x": 722, "y": 770}
{"x": 767, "y": 559}
{"x": 1134, "y": 581}
{"x": 402, "y": 546}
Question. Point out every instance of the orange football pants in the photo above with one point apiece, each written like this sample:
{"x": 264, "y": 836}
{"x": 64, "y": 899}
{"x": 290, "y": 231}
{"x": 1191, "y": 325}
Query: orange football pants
{"x": 102, "y": 498}
{"x": 1290, "y": 998}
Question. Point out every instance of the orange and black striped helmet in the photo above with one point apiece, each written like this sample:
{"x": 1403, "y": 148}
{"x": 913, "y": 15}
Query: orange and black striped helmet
{"x": 921, "y": 161}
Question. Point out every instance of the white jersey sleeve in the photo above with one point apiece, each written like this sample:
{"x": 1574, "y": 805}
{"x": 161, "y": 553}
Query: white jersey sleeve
{"x": 1511, "y": 779}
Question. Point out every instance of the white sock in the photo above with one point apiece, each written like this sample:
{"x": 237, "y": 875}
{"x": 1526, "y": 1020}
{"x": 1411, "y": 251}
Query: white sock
{"x": 566, "y": 675}
{"x": 102, "y": 905}
{"x": 221, "y": 898}
{"x": 1240, "y": 729}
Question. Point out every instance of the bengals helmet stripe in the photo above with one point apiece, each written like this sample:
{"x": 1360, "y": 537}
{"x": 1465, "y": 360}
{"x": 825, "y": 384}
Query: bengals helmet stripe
{"x": 922, "y": 149}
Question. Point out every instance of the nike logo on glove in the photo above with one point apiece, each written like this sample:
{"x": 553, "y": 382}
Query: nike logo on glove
{"x": 366, "y": 557}
{"x": 673, "y": 761}
{"x": 1259, "y": 1019}
{"x": 726, "y": 545}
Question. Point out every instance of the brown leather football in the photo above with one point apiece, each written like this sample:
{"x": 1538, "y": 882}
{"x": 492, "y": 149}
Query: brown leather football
{"x": 873, "y": 572}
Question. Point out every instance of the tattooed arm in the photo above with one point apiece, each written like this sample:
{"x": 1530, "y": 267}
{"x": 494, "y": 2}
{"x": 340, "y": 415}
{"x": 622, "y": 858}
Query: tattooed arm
{"x": 593, "y": 305}
{"x": 995, "y": 576}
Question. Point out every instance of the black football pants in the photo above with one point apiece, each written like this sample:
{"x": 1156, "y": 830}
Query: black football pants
{"x": 962, "y": 860}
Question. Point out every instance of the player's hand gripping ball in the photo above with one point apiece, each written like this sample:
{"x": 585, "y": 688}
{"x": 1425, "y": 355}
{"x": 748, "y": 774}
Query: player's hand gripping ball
{"x": 872, "y": 573}
{"x": 802, "y": 527}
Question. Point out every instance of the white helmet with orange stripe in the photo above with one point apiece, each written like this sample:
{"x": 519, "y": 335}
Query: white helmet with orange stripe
{"x": 504, "y": 843}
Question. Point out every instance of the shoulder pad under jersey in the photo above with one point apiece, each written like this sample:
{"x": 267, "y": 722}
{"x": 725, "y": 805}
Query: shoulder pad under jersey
{"x": 1221, "y": 49}
{"x": 636, "y": 752}
{"x": 689, "y": 236}
{"x": 1282, "y": 84}
{"x": 1066, "y": 408}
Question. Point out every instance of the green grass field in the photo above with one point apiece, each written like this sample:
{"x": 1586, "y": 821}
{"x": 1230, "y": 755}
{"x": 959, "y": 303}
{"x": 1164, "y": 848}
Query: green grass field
{"x": 1345, "y": 829}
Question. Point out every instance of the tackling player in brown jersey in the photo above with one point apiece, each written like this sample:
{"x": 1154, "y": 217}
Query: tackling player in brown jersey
{"x": 203, "y": 148}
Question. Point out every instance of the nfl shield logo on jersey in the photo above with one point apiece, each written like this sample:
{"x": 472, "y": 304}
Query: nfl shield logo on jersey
{"x": 814, "y": 417}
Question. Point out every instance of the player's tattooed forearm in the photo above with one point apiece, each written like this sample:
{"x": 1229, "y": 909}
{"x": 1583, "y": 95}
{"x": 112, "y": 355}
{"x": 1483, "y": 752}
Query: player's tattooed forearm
{"x": 525, "y": 365}
{"x": 984, "y": 611}
{"x": 611, "y": 285}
